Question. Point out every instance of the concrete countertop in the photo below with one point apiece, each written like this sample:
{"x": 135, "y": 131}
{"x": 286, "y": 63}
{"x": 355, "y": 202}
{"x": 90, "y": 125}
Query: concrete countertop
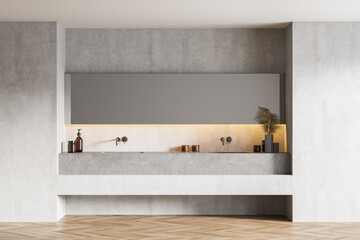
{"x": 174, "y": 163}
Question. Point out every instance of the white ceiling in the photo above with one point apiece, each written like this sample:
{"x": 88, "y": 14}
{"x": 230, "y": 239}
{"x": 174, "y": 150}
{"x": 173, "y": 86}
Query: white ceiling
{"x": 178, "y": 13}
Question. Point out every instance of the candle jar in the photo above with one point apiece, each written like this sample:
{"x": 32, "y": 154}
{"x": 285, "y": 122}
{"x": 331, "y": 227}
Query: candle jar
{"x": 195, "y": 148}
{"x": 71, "y": 147}
{"x": 185, "y": 148}
{"x": 257, "y": 148}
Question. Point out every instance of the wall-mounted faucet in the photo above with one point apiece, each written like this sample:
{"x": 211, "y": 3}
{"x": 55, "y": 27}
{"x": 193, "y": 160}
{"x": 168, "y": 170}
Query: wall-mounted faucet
{"x": 222, "y": 139}
{"x": 123, "y": 139}
{"x": 228, "y": 140}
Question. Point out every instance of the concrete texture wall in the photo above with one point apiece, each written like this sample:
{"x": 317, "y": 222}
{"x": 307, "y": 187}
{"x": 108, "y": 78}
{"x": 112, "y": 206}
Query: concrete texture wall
{"x": 60, "y": 96}
{"x": 31, "y": 92}
{"x": 175, "y": 50}
{"x": 176, "y": 205}
{"x": 172, "y": 51}
{"x": 60, "y": 87}
{"x": 28, "y": 123}
{"x": 145, "y": 163}
{"x": 326, "y": 87}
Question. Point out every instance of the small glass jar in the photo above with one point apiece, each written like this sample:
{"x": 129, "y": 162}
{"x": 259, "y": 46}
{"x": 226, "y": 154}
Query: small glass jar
{"x": 71, "y": 147}
{"x": 257, "y": 148}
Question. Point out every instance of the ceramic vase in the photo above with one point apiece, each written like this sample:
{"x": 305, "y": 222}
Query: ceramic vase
{"x": 269, "y": 141}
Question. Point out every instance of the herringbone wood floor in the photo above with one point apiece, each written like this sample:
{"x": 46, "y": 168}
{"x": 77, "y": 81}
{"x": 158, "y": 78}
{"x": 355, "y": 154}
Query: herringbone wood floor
{"x": 178, "y": 227}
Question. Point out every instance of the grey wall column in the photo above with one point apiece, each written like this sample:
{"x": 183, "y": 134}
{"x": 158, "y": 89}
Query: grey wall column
{"x": 60, "y": 96}
{"x": 326, "y": 87}
{"x": 29, "y": 121}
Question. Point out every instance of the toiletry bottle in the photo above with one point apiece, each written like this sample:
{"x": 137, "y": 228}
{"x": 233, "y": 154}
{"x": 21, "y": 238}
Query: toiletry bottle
{"x": 78, "y": 142}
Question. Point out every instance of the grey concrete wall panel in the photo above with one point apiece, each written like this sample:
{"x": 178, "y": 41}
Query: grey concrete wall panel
{"x": 172, "y": 98}
{"x": 132, "y": 163}
{"x": 175, "y": 50}
{"x": 176, "y": 205}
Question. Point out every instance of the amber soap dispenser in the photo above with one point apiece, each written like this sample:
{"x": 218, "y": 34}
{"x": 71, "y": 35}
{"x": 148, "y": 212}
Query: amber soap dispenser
{"x": 79, "y": 142}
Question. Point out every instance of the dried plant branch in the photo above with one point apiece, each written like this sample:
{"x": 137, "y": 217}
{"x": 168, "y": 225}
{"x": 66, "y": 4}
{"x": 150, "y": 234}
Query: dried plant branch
{"x": 267, "y": 119}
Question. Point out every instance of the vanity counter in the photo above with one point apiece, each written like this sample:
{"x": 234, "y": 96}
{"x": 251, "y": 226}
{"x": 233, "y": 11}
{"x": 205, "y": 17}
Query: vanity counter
{"x": 174, "y": 163}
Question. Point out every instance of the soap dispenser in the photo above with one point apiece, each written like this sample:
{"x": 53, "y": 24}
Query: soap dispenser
{"x": 79, "y": 142}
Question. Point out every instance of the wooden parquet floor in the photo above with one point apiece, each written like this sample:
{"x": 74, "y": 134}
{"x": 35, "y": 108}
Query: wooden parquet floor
{"x": 178, "y": 227}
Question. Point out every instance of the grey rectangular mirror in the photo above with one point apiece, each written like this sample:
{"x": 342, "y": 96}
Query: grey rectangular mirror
{"x": 169, "y": 98}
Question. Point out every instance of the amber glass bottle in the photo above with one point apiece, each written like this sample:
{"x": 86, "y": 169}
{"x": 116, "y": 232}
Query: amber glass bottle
{"x": 79, "y": 142}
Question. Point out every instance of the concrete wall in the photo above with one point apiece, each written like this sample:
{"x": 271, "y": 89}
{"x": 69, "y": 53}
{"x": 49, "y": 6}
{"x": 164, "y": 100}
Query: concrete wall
{"x": 325, "y": 76}
{"x": 31, "y": 92}
{"x": 60, "y": 89}
{"x": 175, "y": 51}
{"x": 326, "y": 87}
{"x": 172, "y": 51}
{"x": 176, "y": 205}
{"x": 145, "y": 163}
{"x": 28, "y": 123}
